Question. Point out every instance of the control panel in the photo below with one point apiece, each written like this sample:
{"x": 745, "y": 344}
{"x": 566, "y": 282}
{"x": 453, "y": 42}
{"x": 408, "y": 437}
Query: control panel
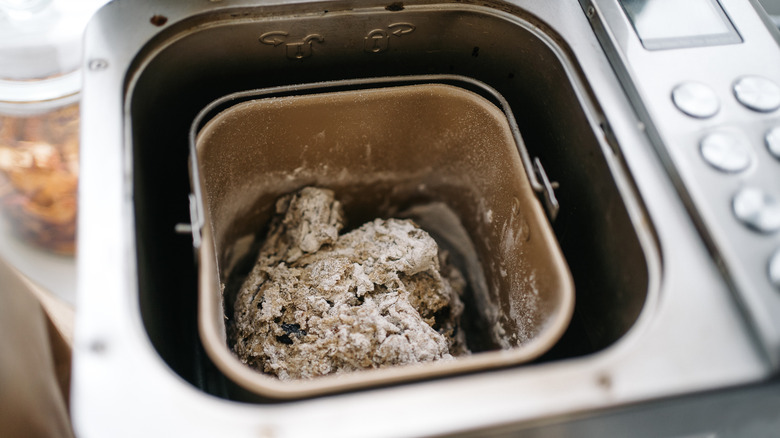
{"x": 704, "y": 78}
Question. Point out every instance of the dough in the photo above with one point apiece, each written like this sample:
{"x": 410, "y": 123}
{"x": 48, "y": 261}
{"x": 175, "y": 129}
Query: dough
{"x": 319, "y": 303}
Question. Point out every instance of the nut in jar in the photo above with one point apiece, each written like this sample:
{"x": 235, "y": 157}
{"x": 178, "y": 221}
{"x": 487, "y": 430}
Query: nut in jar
{"x": 39, "y": 176}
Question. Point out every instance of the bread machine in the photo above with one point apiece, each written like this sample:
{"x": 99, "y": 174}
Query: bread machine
{"x": 656, "y": 138}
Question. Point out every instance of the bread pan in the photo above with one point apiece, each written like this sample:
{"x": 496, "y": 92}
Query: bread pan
{"x": 385, "y": 148}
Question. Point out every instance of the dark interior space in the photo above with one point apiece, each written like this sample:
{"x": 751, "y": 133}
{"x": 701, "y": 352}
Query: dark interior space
{"x": 593, "y": 228}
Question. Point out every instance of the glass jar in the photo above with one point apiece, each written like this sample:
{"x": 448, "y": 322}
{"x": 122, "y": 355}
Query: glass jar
{"x": 40, "y": 81}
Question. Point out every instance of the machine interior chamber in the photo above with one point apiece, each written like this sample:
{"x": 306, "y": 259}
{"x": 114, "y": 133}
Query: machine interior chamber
{"x": 206, "y": 57}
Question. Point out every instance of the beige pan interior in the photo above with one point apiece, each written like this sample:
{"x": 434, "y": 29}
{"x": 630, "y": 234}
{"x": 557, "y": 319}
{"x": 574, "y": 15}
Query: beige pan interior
{"x": 383, "y": 151}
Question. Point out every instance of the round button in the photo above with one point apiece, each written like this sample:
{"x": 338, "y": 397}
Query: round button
{"x": 696, "y": 100}
{"x": 725, "y": 152}
{"x": 773, "y": 141}
{"x": 757, "y": 209}
{"x": 774, "y": 269}
{"x": 757, "y": 93}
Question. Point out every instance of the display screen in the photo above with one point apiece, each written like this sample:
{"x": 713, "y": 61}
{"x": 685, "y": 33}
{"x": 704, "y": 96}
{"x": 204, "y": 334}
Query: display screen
{"x": 668, "y": 24}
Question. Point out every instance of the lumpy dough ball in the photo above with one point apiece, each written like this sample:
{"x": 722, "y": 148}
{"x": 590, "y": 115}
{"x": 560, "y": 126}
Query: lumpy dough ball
{"x": 319, "y": 303}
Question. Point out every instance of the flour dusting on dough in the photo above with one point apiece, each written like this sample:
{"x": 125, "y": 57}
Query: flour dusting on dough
{"x": 319, "y": 303}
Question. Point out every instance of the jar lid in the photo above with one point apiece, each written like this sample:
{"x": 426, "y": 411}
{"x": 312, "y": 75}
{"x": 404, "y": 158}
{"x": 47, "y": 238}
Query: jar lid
{"x": 41, "y": 48}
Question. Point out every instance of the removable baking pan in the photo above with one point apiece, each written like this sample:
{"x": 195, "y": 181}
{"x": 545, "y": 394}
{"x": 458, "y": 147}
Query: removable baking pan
{"x": 387, "y": 148}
